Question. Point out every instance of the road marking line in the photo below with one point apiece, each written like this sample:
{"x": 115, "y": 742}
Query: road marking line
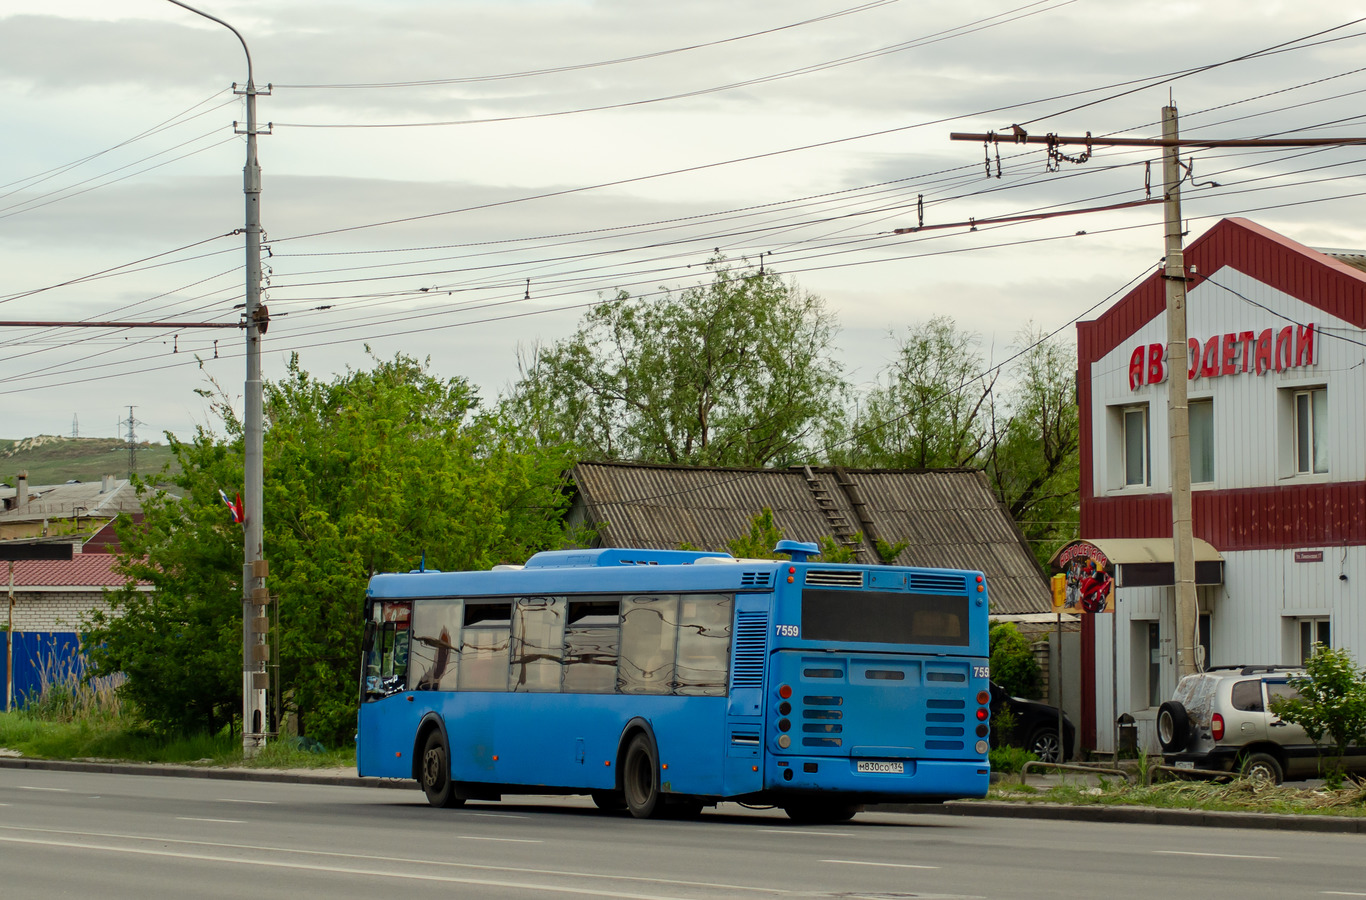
{"x": 497, "y": 815}
{"x": 1220, "y": 855}
{"x": 803, "y": 831}
{"x": 348, "y": 870}
{"x": 261, "y": 802}
{"x": 407, "y": 860}
{"x": 24, "y": 787}
{"x": 201, "y": 819}
{"x": 858, "y": 862}
{"x": 464, "y": 837}
{"x": 1343, "y": 893}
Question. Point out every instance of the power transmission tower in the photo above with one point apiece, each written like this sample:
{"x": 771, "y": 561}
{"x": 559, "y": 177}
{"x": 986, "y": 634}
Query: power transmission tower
{"x": 131, "y": 423}
{"x": 75, "y": 426}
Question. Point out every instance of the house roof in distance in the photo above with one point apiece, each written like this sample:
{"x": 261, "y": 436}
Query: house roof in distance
{"x": 84, "y": 570}
{"x": 949, "y": 517}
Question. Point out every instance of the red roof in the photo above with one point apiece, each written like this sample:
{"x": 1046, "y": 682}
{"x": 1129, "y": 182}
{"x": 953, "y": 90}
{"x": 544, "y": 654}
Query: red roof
{"x": 1275, "y": 260}
{"x": 82, "y": 570}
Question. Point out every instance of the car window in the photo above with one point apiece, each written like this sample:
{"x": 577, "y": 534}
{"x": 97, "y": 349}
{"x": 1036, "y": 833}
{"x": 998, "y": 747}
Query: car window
{"x": 1247, "y": 696}
{"x": 1281, "y": 690}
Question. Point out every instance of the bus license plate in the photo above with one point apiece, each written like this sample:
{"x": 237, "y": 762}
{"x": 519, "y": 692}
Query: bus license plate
{"x": 890, "y": 768}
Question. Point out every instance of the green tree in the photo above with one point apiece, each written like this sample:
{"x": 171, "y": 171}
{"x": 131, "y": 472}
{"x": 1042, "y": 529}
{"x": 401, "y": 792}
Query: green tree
{"x": 931, "y": 407}
{"x": 1331, "y": 702}
{"x": 371, "y": 471}
{"x": 764, "y": 535}
{"x": 1013, "y": 665}
{"x": 1034, "y": 461}
{"x": 735, "y": 372}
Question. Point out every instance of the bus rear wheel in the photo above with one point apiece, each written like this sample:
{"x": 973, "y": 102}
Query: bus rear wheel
{"x": 813, "y": 812}
{"x": 640, "y": 779}
{"x": 436, "y": 773}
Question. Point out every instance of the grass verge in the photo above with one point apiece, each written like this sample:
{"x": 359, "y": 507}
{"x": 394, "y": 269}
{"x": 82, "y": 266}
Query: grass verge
{"x": 1240, "y": 795}
{"x": 117, "y": 739}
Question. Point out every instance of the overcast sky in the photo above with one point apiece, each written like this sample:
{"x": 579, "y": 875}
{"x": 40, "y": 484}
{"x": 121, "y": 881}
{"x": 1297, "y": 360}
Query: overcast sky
{"x": 599, "y": 145}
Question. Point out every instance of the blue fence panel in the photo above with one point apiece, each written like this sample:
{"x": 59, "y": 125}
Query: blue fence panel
{"x": 42, "y": 657}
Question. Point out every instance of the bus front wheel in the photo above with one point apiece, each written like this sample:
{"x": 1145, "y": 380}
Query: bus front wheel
{"x": 640, "y": 779}
{"x": 436, "y": 773}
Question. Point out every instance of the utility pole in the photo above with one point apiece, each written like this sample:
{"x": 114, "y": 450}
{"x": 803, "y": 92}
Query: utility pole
{"x": 1178, "y": 413}
{"x": 255, "y": 595}
{"x": 1174, "y": 274}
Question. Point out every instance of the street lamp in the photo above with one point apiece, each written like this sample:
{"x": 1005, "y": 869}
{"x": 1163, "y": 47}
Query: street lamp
{"x": 255, "y": 596}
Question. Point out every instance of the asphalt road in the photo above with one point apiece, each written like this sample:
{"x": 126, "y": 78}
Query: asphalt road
{"x": 65, "y": 834}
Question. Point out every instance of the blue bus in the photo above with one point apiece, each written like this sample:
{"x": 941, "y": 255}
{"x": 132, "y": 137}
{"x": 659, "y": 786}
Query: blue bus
{"x": 661, "y": 681}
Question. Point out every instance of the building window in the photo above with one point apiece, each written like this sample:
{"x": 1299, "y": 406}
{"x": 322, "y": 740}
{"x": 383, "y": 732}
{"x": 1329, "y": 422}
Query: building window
{"x": 1136, "y": 447}
{"x": 1311, "y": 632}
{"x": 1311, "y": 425}
{"x": 1154, "y": 665}
{"x": 1205, "y": 659}
{"x": 1202, "y": 441}
{"x": 1145, "y": 673}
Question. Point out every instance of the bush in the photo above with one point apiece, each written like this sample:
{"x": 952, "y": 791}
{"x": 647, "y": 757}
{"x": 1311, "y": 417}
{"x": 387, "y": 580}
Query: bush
{"x": 1013, "y": 665}
{"x": 1009, "y": 760}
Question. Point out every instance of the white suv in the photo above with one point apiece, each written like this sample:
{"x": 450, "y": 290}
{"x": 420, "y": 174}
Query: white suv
{"x": 1221, "y": 720}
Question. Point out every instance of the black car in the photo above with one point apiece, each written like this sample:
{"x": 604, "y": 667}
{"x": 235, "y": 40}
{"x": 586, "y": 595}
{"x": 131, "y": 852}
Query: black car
{"x": 1035, "y": 726}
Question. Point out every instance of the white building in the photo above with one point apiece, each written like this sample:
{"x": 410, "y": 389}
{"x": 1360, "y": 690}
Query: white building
{"x": 1277, "y": 389}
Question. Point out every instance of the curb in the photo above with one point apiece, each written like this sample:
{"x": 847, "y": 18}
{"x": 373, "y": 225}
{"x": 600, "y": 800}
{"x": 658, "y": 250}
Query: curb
{"x": 1132, "y": 815}
{"x": 1137, "y": 815}
{"x": 172, "y": 771}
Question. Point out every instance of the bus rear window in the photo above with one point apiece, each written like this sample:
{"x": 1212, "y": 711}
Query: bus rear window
{"x": 878, "y": 617}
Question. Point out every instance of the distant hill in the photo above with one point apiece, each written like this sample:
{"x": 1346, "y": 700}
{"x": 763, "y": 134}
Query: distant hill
{"x": 49, "y": 459}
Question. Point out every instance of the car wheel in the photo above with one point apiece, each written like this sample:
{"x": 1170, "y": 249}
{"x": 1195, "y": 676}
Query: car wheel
{"x": 1262, "y": 767}
{"x": 1173, "y": 726}
{"x": 1045, "y": 745}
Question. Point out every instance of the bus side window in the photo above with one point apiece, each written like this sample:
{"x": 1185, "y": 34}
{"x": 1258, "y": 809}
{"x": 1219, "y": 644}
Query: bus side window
{"x": 649, "y": 633}
{"x": 537, "y": 644}
{"x": 435, "y": 655}
{"x": 484, "y": 643}
{"x": 703, "y": 644}
{"x": 592, "y": 640}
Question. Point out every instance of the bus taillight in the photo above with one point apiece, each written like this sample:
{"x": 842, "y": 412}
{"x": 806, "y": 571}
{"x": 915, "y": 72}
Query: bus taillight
{"x": 785, "y": 691}
{"x": 981, "y": 715}
{"x": 983, "y": 697}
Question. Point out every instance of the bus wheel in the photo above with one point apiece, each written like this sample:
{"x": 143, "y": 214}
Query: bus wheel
{"x": 811, "y": 813}
{"x": 436, "y": 773}
{"x": 609, "y": 801}
{"x": 640, "y": 779}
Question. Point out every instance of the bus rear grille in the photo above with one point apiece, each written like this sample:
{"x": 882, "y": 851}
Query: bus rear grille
{"x": 948, "y": 584}
{"x": 755, "y": 579}
{"x": 835, "y": 577}
{"x": 751, "y": 632}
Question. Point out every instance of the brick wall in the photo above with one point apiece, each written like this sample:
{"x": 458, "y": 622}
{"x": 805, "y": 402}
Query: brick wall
{"x": 52, "y": 610}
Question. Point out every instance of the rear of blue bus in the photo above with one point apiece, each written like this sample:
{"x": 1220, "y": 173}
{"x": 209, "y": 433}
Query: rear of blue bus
{"x": 877, "y": 685}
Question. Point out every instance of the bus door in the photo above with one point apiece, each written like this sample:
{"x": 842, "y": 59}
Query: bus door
{"x": 384, "y": 736}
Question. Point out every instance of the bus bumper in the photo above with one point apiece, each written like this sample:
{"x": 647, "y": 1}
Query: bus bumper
{"x": 920, "y": 779}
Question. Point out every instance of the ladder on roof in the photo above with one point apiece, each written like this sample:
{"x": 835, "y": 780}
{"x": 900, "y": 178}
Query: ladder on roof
{"x": 840, "y": 528}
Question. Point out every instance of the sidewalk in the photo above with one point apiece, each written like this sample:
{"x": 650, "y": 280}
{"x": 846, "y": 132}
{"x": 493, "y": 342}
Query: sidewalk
{"x": 996, "y": 809}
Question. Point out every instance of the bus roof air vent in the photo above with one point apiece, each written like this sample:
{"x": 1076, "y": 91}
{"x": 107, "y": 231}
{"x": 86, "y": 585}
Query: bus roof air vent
{"x": 835, "y": 577}
{"x": 756, "y": 579}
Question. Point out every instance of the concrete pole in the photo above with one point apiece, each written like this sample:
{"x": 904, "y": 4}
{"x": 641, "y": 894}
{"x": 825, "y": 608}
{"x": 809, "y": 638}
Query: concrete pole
{"x": 1178, "y": 413}
{"x": 9, "y": 646}
{"x": 254, "y": 592}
